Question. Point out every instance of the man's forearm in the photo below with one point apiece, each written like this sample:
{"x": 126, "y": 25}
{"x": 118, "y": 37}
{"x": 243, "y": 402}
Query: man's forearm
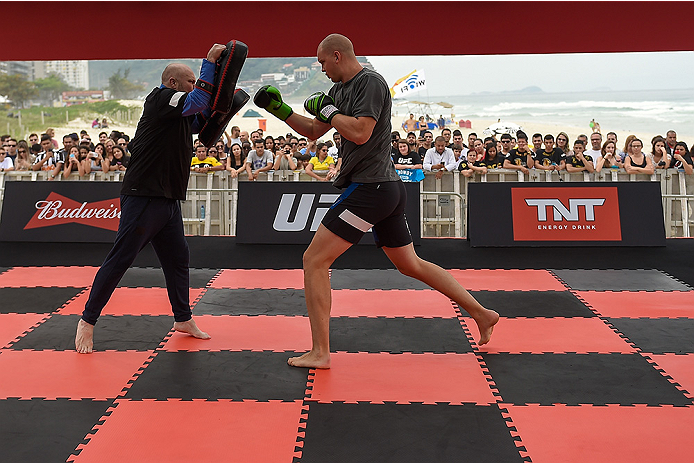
{"x": 308, "y": 127}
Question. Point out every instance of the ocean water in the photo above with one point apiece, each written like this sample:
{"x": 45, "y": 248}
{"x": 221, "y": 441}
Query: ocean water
{"x": 651, "y": 111}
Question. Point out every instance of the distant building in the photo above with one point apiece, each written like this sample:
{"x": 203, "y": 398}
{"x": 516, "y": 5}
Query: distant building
{"x": 302, "y": 73}
{"x": 271, "y": 77}
{"x": 22, "y": 68}
{"x": 83, "y": 96}
{"x": 74, "y": 73}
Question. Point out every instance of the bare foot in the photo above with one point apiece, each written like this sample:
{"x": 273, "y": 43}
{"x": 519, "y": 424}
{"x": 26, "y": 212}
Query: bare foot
{"x": 310, "y": 360}
{"x": 84, "y": 340}
{"x": 485, "y": 325}
{"x": 191, "y": 328}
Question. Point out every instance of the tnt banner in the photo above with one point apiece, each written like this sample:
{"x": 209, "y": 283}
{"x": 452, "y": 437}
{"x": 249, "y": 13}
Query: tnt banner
{"x": 290, "y": 212}
{"x": 60, "y": 212}
{"x": 565, "y": 214}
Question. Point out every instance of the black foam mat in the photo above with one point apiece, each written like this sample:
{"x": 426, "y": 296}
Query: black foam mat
{"x": 123, "y": 332}
{"x": 573, "y": 379}
{"x": 252, "y": 302}
{"x": 340, "y": 432}
{"x": 658, "y": 335}
{"x": 148, "y": 277}
{"x": 619, "y": 280}
{"x": 220, "y": 375}
{"x": 35, "y": 300}
{"x": 396, "y": 335}
{"x": 46, "y": 430}
{"x": 373, "y": 279}
{"x": 223, "y": 252}
{"x": 533, "y": 303}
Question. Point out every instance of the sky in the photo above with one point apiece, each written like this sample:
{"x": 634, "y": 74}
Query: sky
{"x": 580, "y": 72}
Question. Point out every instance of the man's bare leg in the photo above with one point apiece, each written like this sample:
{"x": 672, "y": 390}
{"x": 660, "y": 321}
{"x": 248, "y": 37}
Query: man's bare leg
{"x": 191, "y": 328}
{"x": 84, "y": 339}
{"x": 410, "y": 264}
{"x": 321, "y": 253}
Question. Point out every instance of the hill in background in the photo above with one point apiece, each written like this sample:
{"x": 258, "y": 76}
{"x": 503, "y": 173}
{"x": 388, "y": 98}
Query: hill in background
{"x": 148, "y": 72}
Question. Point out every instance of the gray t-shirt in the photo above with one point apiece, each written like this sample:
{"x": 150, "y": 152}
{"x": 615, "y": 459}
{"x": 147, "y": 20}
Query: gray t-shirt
{"x": 365, "y": 95}
{"x": 258, "y": 162}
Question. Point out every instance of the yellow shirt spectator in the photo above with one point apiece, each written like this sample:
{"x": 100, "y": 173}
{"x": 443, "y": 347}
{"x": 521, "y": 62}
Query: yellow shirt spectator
{"x": 325, "y": 165}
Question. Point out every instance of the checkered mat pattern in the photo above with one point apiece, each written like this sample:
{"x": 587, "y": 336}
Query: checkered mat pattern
{"x": 584, "y": 366}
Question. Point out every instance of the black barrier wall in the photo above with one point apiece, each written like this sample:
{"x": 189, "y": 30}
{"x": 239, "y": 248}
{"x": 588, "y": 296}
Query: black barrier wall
{"x": 65, "y": 212}
{"x": 566, "y": 214}
{"x": 290, "y": 212}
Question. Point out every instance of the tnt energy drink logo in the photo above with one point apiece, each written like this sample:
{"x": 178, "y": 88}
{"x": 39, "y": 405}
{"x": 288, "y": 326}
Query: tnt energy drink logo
{"x": 59, "y": 210}
{"x": 566, "y": 214}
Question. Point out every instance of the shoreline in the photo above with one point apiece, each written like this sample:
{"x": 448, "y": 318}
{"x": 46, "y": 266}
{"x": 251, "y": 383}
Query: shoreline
{"x": 275, "y": 127}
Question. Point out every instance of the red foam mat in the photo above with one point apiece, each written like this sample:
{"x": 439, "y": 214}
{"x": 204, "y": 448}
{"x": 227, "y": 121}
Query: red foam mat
{"x": 196, "y": 431}
{"x": 679, "y": 367}
{"x": 259, "y": 279}
{"x": 588, "y": 433}
{"x": 507, "y": 280}
{"x": 429, "y": 378}
{"x": 275, "y": 333}
{"x": 56, "y": 374}
{"x": 14, "y": 324}
{"x": 394, "y": 303}
{"x": 636, "y": 304}
{"x": 130, "y": 301}
{"x": 44, "y": 277}
{"x": 555, "y": 335}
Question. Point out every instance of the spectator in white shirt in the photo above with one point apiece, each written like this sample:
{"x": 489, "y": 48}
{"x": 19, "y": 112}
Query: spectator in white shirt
{"x": 439, "y": 158}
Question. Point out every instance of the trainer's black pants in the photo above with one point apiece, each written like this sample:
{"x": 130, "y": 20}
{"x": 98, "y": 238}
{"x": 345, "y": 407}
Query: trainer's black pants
{"x": 143, "y": 220}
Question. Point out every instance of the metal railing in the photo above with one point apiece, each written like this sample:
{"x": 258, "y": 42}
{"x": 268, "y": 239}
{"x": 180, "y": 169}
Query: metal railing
{"x": 443, "y": 202}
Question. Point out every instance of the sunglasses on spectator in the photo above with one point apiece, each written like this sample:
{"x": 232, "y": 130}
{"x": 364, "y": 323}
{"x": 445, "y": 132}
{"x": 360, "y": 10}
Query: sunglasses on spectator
{"x": 293, "y": 144}
{"x": 213, "y": 151}
{"x": 22, "y": 151}
{"x": 122, "y": 144}
{"x": 13, "y": 144}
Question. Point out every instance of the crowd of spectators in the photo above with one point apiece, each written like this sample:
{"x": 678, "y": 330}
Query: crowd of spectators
{"x": 448, "y": 152}
{"x": 77, "y": 154}
{"x": 240, "y": 153}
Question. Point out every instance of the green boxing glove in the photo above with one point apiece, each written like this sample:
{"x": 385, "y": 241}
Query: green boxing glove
{"x": 322, "y": 106}
{"x": 270, "y": 99}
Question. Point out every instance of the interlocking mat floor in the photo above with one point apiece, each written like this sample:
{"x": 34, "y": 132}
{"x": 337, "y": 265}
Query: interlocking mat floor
{"x": 587, "y": 364}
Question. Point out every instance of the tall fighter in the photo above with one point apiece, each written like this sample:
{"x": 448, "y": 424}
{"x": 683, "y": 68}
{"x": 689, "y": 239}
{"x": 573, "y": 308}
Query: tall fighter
{"x": 155, "y": 182}
{"x": 358, "y": 107}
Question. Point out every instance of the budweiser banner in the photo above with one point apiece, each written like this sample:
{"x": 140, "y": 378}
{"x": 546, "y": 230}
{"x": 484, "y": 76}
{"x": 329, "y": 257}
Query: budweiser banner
{"x": 290, "y": 212}
{"x": 60, "y": 211}
{"x": 565, "y": 214}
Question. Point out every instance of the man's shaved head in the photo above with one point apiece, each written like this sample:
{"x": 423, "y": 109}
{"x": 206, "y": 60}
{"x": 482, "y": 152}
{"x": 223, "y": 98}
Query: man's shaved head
{"x": 175, "y": 70}
{"x": 337, "y": 42}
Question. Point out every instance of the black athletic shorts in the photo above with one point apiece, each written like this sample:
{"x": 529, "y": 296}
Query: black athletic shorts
{"x": 376, "y": 206}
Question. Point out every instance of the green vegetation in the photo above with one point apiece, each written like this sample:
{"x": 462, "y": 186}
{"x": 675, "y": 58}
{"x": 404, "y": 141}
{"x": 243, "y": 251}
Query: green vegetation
{"x": 20, "y": 123}
{"x": 317, "y": 82}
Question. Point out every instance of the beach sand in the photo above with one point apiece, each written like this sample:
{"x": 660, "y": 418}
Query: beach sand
{"x": 275, "y": 127}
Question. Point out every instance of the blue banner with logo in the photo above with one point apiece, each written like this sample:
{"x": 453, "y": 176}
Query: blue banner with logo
{"x": 411, "y": 175}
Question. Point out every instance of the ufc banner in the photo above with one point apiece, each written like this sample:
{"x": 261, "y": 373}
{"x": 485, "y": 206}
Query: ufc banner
{"x": 290, "y": 212}
{"x": 63, "y": 212}
{"x": 565, "y": 214}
